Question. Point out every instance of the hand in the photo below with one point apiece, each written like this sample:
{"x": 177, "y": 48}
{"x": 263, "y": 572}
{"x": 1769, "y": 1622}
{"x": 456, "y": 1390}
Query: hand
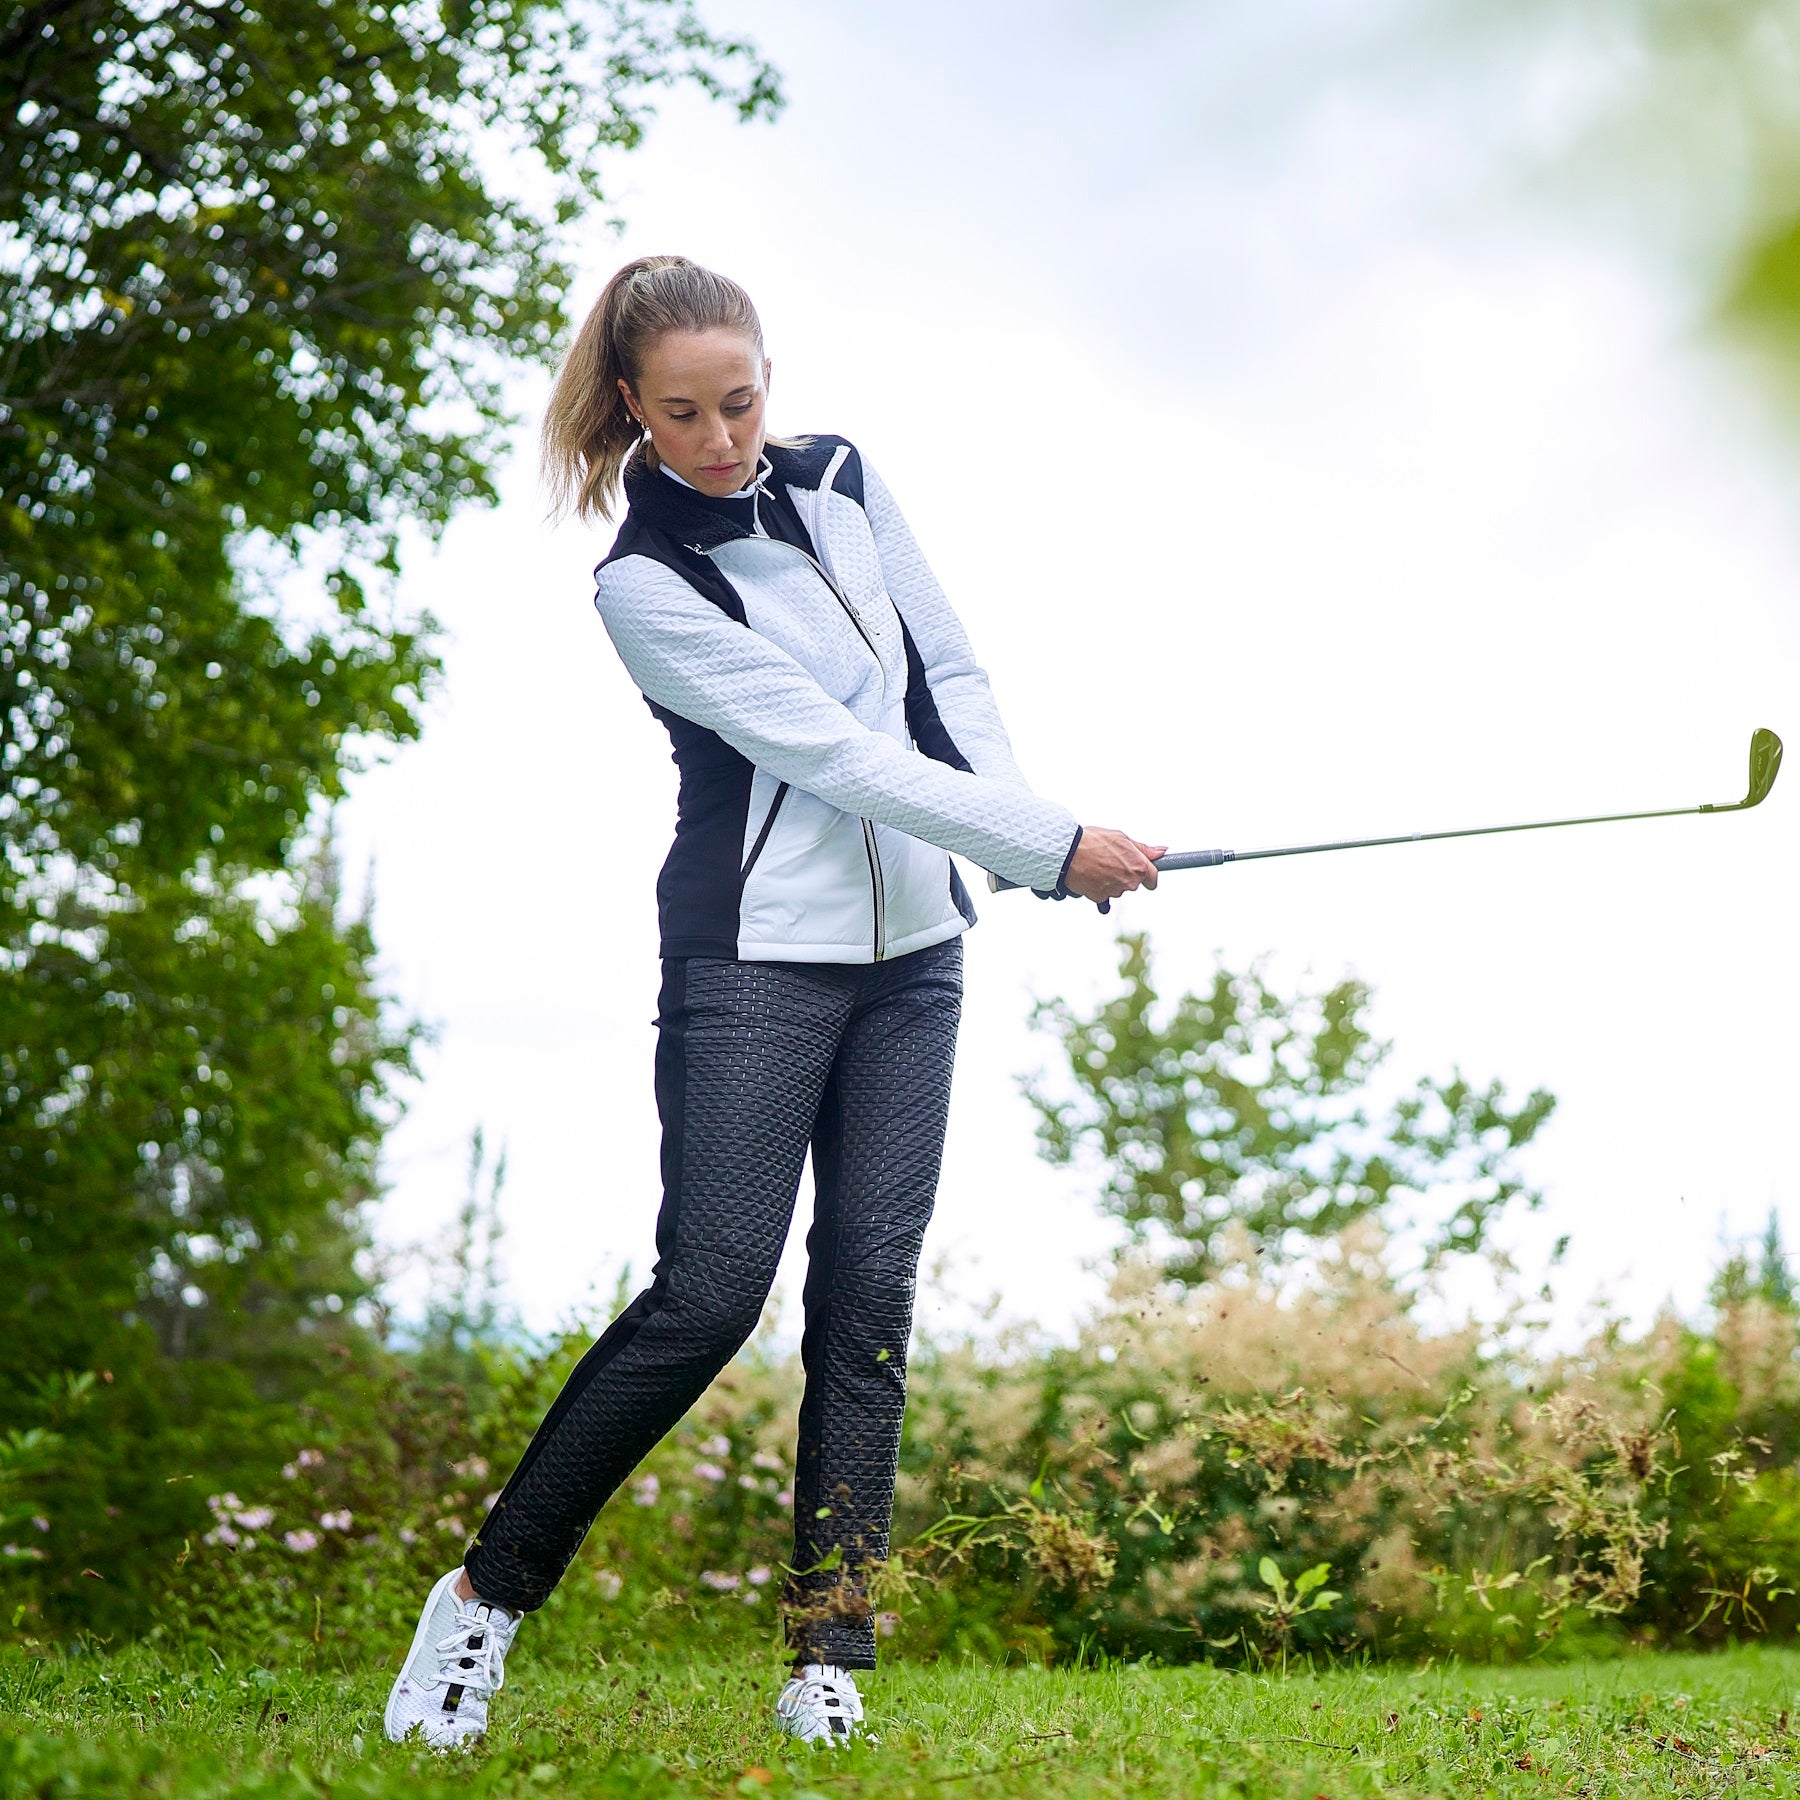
{"x": 1107, "y": 864}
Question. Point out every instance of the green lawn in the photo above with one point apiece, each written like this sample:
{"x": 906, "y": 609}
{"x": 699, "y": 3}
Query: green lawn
{"x": 146, "y": 1726}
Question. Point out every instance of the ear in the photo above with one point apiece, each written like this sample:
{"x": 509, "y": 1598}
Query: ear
{"x": 631, "y": 405}
{"x": 768, "y": 370}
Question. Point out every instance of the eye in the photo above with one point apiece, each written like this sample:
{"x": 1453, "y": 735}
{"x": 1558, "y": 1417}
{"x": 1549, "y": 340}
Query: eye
{"x": 741, "y": 407}
{"x": 681, "y": 418}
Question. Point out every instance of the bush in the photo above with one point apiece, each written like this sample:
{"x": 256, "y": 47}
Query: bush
{"x": 1266, "y": 1463}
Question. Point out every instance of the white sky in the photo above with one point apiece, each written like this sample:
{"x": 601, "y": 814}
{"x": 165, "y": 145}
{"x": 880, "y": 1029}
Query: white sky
{"x": 1295, "y": 480}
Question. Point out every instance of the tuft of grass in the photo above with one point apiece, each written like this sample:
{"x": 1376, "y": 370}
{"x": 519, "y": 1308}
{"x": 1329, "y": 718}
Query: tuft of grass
{"x": 150, "y": 1724}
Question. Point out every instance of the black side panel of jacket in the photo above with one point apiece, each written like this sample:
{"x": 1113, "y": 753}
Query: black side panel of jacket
{"x": 701, "y": 887}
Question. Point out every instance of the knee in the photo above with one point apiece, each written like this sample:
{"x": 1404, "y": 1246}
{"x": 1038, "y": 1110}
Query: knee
{"x": 715, "y": 1321}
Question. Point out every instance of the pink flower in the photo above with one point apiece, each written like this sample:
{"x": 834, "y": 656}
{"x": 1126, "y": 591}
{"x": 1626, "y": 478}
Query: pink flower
{"x": 310, "y": 1459}
{"x": 301, "y": 1541}
{"x": 757, "y": 1576}
{"x": 767, "y": 1460}
{"x": 475, "y": 1469}
{"x": 256, "y": 1518}
{"x": 708, "y": 1472}
{"x": 646, "y": 1490}
{"x": 748, "y": 1482}
{"x": 785, "y": 1497}
{"x": 716, "y": 1446}
{"x": 221, "y": 1534}
{"x": 610, "y": 1583}
{"x": 337, "y": 1521}
{"x": 40, "y": 1521}
{"x": 718, "y": 1581}
{"x": 408, "y": 1535}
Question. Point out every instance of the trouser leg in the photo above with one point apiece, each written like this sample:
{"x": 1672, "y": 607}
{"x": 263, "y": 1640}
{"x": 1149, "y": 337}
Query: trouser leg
{"x": 877, "y": 1150}
{"x": 743, "y": 1054}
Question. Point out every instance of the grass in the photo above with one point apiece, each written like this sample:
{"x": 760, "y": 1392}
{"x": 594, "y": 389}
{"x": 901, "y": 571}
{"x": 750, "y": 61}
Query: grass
{"x": 149, "y": 1725}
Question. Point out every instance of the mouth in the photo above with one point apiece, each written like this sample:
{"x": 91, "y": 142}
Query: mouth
{"x": 717, "y": 470}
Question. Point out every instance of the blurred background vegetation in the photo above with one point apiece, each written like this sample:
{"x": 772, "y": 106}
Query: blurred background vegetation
{"x": 264, "y": 269}
{"x": 1677, "y": 127}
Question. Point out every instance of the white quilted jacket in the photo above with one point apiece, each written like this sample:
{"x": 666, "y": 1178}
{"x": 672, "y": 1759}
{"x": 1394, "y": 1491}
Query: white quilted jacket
{"x": 835, "y": 735}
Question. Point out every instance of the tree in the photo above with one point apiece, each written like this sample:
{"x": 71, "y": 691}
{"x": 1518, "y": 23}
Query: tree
{"x": 1766, "y": 1276}
{"x": 1243, "y": 1107}
{"x": 261, "y": 283}
{"x": 263, "y": 267}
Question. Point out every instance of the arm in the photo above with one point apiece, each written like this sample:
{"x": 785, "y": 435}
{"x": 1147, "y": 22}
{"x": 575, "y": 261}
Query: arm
{"x": 686, "y": 655}
{"x": 958, "y": 683}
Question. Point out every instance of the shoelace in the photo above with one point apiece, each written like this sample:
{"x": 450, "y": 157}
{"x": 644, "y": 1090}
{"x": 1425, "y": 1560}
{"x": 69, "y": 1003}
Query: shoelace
{"x": 465, "y": 1664}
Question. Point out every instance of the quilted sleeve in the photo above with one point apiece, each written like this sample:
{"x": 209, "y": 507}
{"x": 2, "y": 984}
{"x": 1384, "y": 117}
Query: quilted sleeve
{"x": 688, "y": 656}
{"x": 958, "y": 683}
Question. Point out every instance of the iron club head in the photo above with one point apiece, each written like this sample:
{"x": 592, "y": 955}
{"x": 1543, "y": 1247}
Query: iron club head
{"x": 1765, "y": 765}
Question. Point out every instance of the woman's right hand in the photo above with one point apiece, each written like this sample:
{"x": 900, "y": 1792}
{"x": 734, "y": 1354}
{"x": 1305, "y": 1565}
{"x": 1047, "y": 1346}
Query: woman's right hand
{"x": 1108, "y": 863}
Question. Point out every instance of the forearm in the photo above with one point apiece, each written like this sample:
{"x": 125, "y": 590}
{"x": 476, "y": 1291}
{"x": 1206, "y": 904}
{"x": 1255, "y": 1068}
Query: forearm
{"x": 686, "y": 656}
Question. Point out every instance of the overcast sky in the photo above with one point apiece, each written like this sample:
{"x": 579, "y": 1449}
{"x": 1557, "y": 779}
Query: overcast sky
{"x": 1295, "y": 478}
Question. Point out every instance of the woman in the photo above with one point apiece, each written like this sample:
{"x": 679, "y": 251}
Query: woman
{"x": 835, "y": 739}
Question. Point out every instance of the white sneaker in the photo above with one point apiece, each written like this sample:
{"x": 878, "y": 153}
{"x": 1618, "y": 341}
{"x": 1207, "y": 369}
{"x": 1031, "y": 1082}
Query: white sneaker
{"x": 820, "y": 1705}
{"x": 457, "y": 1663}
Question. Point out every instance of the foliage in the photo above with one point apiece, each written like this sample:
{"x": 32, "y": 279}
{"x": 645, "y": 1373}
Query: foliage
{"x": 1260, "y": 1466}
{"x": 191, "y": 1106}
{"x": 1243, "y": 1107}
{"x": 260, "y": 280}
{"x": 1206, "y": 1435}
{"x": 337, "y": 1549}
{"x": 152, "y": 1723}
{"x": 260, "y": 274}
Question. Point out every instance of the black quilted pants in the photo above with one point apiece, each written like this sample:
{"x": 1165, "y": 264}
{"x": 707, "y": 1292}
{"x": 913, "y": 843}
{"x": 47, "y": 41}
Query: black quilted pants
{"x": 754, "y": 1062}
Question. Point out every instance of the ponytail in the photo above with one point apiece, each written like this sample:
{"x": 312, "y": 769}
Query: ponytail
{"x": 588, "y": 429}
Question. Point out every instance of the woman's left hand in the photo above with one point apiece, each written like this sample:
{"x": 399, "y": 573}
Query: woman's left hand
{"x": 1109, "y": 863}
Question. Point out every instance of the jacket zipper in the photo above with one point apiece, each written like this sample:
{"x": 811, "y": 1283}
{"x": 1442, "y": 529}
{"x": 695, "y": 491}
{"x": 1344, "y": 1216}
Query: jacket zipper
{"x": 762, "y": 836}
{"x": 877, "y": 881}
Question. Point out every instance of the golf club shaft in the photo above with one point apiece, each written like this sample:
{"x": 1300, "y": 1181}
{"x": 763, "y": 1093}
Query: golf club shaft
{"x": 1765, "y": 764}
{"x": 1210, "y": 859}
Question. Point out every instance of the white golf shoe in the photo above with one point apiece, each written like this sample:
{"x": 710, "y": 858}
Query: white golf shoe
{"x": 457, "y": 1663}
{"x": 820, "y": 1705}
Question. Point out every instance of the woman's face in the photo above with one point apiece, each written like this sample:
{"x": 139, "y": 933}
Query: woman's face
{"x": 702, "y": 396}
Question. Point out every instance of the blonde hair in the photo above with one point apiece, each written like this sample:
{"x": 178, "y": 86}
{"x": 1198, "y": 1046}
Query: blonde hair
{"x": 588, "y": 429}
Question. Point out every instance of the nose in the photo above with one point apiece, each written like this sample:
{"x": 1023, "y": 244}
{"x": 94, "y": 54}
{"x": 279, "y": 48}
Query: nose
{"x": 718, "y": 436}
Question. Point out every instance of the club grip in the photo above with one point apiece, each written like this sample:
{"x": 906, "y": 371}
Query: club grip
{"x": 1195, "y": 859}
{"x": 1176, "y": 859}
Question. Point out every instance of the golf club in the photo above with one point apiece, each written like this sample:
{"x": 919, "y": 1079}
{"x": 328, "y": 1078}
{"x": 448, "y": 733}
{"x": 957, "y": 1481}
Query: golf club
{"x": 1765, "y": 762}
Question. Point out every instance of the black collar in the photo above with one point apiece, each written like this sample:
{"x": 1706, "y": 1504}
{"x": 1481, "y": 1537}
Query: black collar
{"x": 701, "y": 521}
